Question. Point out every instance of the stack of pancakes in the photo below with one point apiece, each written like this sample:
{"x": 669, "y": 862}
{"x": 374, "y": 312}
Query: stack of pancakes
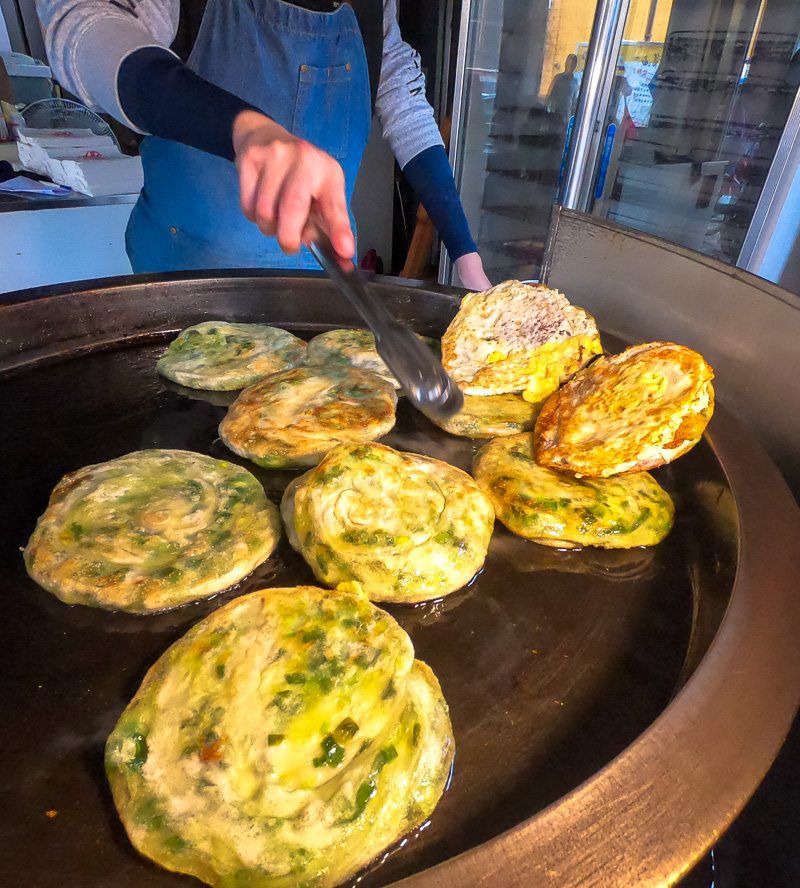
{"x": 602, "y": 417}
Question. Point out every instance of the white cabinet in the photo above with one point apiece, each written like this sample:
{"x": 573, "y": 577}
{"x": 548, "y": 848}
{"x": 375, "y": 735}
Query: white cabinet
{"x": 64, "y": 242}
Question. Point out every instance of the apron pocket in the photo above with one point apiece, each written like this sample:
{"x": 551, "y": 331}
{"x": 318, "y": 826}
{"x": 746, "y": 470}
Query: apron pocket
{"x": 322, "y": 111}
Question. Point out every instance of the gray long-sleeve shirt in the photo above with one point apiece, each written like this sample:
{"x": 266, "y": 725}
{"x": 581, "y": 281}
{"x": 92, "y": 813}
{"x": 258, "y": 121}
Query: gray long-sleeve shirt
{"x": 87, "y": 41}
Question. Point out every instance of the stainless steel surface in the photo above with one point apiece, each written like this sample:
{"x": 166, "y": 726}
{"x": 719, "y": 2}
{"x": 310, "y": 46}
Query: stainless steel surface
{"x": 642, "y": 288}
{"x": 424, "y": 380}
{"x": 31, "y": 28}
{"x": 14, "y": 203}
{"x": 775, "y": 225}
{"x": 645, "y": 816}
{"x": 588, "y": 130}
{"x": 444, "y": 45}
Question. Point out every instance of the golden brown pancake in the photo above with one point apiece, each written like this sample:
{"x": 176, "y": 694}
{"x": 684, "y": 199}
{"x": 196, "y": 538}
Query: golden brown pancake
{"x": 151, "y": 530}
{"x": 292, "y": 419}
{"x": 218, "y": 356}
{"x": 407, "y": 528}
{"x": 489, "y": 416}
{"x": 627, "y": 412}
{"x": 353, "y": 348}
{"x": 518, "y": 337}
{"x": 555, "y": 509}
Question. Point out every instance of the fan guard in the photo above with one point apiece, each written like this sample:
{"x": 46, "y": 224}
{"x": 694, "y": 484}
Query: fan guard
{"x": 65, "y": 114}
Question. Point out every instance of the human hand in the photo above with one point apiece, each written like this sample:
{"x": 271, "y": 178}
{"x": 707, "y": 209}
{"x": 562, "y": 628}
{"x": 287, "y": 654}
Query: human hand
{"x": 283, "y": 178}
{"x": 469, "y": 268}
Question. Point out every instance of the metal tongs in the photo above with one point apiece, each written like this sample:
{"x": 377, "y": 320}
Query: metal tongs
{"x": 424, "y": 380}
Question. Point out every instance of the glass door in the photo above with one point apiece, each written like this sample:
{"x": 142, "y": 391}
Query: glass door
{"x": 516, "y": 91}
{"x": 708, "y": 89}
{"x": 661, "y": 115}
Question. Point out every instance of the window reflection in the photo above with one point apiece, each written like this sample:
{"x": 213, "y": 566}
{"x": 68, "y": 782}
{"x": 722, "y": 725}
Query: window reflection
{"x": 521, "y": 86}
{"x": 692, "y": 158}
{"x": 702, "y": 92}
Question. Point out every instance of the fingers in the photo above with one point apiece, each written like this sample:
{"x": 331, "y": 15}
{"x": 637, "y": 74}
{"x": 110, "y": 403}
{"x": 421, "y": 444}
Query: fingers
{"x": 293, "y": 209}
{"x": 469, "y": 268}
{"x": 261, "y": 173}
{"x": 266, "y": 203}
{"x": 248, "y": 184}
{"x": 281, "y": 178}
{"x": 331, "y": 207}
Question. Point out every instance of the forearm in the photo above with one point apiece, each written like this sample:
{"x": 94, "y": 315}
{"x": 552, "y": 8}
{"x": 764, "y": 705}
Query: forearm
{"x": 431, "y": 177}
{"x": 162, "y": 96}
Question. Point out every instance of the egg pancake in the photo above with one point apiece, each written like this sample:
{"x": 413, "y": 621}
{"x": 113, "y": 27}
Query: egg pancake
{"x": 518, "y": 337}
{"x": 558, "y": 510}
{"x": 218, "y": 356}
{"x": 628, "y": 412}
{"x": 352, "y": 348}
{"x": 407, "y": 528}
{"x": 151, "y": 530}
{"x": 292, "y": 419}
{"x": 487, "y": 416}
{"x": 286, "y": 740}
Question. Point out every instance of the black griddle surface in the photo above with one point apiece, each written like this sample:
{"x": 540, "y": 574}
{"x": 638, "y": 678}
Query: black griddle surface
{"x": 552, "y": 662}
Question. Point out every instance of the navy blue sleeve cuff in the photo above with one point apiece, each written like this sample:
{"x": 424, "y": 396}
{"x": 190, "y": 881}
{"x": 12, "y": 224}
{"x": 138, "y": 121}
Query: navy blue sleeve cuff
{"x": 431, "y": 177}
{"x": 160, "y": 95}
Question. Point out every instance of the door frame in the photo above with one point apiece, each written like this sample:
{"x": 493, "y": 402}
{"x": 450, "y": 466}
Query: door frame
{"x": 775, "y": 226}
{"x": 592, "y": 107}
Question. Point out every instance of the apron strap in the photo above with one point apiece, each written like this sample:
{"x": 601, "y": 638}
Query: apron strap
{"x": 369, "y": 15}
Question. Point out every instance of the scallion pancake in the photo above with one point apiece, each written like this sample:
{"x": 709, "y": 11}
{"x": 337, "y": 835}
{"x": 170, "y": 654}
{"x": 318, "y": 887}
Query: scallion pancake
{"x": 626, "y": 413}
{"x": 555, "y": 509}
{"x": 490, "y": 416}
{"x": 286, "y": 740}
{"x": 151, "y": 530}
{"x": 292, "y": 419}
{"x": 218, "y": 356}
{"x": 518, "y": 337}
{"x": 407, "y": 528}
{"x": 352, "y": 348}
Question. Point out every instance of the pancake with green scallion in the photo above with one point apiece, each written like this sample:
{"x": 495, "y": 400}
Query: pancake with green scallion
{"x": 218, "y": 356}
{"x": 286, "y": 740}
{"x": 353, "y": 348}
{"x": 556, "y": 509}
{"x": 151, "y": 530}
{"x": 407, "y": 528}
{"x": 490, "y": 416}
{"x": 292, "y": 419}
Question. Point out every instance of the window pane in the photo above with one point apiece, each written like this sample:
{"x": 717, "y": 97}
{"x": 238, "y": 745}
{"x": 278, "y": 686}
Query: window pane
{"x": 521, "y": 83}
{"x": 706, "y": 93}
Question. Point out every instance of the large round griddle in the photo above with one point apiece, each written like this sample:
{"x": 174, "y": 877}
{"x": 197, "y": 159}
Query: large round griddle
{"x": 613, "y": 711}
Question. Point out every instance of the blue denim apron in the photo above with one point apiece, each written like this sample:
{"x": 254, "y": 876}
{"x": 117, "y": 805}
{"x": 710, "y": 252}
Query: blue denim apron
{"x": 307, "y": 71}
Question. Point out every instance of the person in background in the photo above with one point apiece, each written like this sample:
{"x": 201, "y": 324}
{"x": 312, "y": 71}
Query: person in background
{"x": 620, "y": 90}
{"x": 564, "y": 91}
{"x": 257, "y": 112}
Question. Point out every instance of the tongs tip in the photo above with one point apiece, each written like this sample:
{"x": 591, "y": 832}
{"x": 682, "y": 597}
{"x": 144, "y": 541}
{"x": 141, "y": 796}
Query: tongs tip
{"x": 445, "y": 404}
{"x": 425, "y": 381}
